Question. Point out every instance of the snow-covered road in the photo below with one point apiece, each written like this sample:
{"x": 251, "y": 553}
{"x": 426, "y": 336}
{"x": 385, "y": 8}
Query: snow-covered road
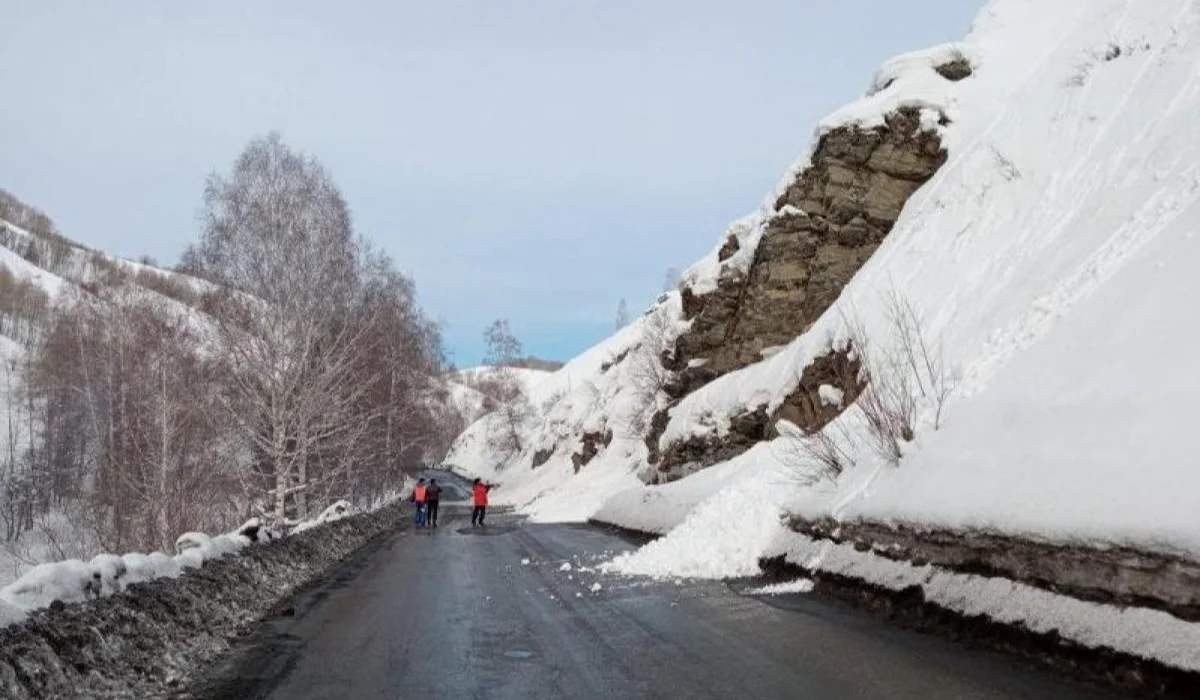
{"x": 519, "y": 611}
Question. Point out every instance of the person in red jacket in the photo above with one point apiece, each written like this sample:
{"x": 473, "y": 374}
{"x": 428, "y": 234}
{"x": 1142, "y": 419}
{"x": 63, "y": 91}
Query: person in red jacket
{"x": 479, "y": 497}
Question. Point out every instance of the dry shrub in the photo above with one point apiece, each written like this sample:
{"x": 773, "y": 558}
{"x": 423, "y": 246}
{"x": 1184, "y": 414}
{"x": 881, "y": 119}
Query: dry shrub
{"x": 902, "y": 379}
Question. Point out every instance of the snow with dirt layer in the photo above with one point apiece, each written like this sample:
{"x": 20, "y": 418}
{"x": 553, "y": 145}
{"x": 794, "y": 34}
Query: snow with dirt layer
{"x": 1138, "y": 631}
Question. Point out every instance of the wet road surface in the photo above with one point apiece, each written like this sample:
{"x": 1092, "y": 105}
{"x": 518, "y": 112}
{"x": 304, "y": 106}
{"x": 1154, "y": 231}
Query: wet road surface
{"x": 459, "y": 612}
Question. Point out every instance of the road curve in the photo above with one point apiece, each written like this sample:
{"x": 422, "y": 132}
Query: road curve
{"x": 493, "y": 614}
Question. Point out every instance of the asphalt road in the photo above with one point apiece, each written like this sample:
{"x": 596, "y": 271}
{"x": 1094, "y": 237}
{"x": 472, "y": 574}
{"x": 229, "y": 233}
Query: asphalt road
{"x": 494, "y": 613}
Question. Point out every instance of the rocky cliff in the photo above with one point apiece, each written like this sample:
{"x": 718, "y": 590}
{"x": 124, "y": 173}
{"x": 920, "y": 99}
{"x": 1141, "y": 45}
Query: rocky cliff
{"x": 823, "y": 228}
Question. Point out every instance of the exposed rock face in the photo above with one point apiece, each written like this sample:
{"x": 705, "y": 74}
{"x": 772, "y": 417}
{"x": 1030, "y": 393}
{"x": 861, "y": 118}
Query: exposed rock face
{"x": 827, "y": 224}
{"x": 955, "y": 70}
{"x": 590, "y": 447}
{"x": 804, "y": 406}
{"x": 693, "y": 454}
{"x": 540, "y": 457}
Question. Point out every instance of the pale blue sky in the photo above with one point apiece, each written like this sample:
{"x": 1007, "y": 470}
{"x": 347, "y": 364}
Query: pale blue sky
{"x": 537, "y": 160}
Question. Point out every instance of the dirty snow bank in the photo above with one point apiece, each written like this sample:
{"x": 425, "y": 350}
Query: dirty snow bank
{"x": 147, "y": 640}
{"x": 1142, "y": 632}
{"x": 74, "y": 581}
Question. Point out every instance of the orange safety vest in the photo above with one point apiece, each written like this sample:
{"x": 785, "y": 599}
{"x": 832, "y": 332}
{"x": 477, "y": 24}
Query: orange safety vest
{"x": 419, "y": 493}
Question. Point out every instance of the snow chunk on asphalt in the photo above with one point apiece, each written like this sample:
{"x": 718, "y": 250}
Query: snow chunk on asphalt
{"x": 566, "y": 566}
{"x": 800, "y": 585}
{"x": 596, "y": 587}
{"x": 722, "y": 538}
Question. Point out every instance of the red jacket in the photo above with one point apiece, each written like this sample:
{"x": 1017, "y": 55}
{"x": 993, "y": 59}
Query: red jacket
{"x": 480, "y": 495}
{"x": 419, "y": 493}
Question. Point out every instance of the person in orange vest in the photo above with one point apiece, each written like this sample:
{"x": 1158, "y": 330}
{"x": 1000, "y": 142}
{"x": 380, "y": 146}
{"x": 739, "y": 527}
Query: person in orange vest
{"x": 418, "y": 497}
{"x": 479, "y": 497}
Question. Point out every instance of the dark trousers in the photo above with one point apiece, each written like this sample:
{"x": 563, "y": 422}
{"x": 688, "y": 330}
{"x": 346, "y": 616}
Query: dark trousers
{"x": 432, "y": 516}
{"x": 477, "y": 514}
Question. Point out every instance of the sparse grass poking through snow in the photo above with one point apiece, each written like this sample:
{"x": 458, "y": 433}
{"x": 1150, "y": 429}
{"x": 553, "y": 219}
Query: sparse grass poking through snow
{"x": 904, "y": 378}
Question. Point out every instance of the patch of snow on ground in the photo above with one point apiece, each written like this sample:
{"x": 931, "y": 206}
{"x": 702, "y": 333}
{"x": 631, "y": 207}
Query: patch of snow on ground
{"x": 830, "y": 395}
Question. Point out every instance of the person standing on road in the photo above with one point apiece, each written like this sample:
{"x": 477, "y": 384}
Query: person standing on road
{"x": 479, "y": 497}
{"x": 433, "y": 494}
{"x": 420, "y": 492}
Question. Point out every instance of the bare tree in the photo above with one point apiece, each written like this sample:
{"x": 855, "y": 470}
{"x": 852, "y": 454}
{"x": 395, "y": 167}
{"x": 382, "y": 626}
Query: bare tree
{"x": 902, "y": 377}
{"x": 123, "y": 441}
{"x": 922, "y": 360}
{"x": 671, "y": 279}
{"x": 813, "y": 457}
{"x": 648, "y": 378}
{"x": 505, "y": 389}
{"x": 278, "y": 238}
{"x": 622, "y": 315}
{"x": 309, "y": 373}
{"x": 502, "y": 345}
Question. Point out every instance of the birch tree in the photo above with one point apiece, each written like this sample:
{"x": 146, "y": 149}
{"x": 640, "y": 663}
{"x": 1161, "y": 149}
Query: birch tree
{"x": 278, "y": 238}
{"x": 504, "y": 388}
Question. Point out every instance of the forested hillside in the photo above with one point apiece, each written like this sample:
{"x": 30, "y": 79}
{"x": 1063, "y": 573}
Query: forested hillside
{"x": 282, "y": 365}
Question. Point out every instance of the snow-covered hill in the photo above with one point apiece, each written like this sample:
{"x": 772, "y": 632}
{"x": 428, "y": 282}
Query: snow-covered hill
{"x": 529, "y": 379}
{"x": 1040, "y": 281}
{"x": 41, "y": 271}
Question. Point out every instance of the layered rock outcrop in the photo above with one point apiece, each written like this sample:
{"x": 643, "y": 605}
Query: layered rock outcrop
{"x": 825, "y": 226}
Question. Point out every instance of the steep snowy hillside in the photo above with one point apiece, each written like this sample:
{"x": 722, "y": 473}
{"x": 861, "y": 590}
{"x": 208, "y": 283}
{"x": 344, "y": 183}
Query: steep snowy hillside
{"x": 967, "y": 310}
{"x": 39, "y": 271}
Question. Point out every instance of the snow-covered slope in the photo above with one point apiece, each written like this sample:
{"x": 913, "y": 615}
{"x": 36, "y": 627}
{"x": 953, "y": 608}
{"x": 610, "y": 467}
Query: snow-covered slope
{"x": 1050, "y": 264}
{"x": 469, "y": 401}
{"x": 1050, "y": 261}
{"x": 529, "y": 379}
{"x": 1047, "y": 272}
